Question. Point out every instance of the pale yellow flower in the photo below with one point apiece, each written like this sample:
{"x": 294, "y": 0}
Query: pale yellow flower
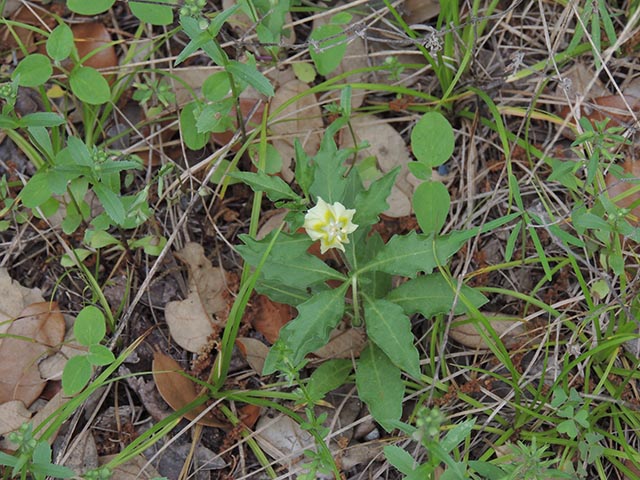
{"x": 330, "y": 224}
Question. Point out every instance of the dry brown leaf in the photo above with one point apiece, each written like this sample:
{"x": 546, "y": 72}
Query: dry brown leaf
{"x": 12, "y": 414}
{"x": 417, "y": 11}
{"x": 249, "y": 415}
{"x": 579, "y": 76}
{"x": 282, "y": 439}
{"x": 347, "y": 343}
{"x": 178, "y": 390}
{"x": 301, "y": 119}
{"x": 390, "y": 150}
{"x": 254, "y": 351}
{"x": 509, "y": 328}
{"x": 14, "y": 299}
{"x": 83, "y": 455}
{"x": 132, "y": 469}
{"x": 614, "y": 107}
{"x": 42, "y": 327}
{"x": 94, "y": 39}
{"x": 204, "y": 278}
{"x": 268, "y": 317}
{"x": 191, "y": 321}
{"x": 618, "y": 186}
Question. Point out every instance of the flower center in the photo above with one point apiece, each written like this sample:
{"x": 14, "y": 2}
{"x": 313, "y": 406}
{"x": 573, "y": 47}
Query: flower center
{"x": 333, "y": 229}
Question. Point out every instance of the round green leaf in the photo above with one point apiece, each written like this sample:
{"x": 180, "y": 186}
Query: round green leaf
{"x": 89, "y": 327}
{"x": 216, "y": 86}
{"x": 431, "y": 203}
{"x": 100, "y": 355}
{"x": 153, "y": 13}
{"x": 89, "y": 86}
{"x": 34, "y": 70}
{"x": 76, "y": 374}
{"x": 193, "y": 139}
{"x": 432, "y": 139}
{"x": 60, "y": 42}
{"x": 90, "y": 7}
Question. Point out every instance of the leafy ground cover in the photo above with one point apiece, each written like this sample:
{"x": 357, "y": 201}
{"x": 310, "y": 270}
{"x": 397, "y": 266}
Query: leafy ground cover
{"x": 252, "y": 239}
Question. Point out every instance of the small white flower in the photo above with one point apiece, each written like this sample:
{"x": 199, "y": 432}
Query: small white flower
{"x": 330, "y": 224}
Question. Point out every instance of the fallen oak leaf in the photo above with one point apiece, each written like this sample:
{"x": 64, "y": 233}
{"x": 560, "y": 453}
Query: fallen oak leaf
{"x": 179, "y": 391}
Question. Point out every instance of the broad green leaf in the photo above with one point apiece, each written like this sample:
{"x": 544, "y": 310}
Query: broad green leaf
{"x": 310, "y": 330}
{"x": 216, "y": 86}
{"x": 8, "y": 122}
{"x": 327, "y": 377}
{"x": 89, "y": 327}
{"x": 400, "y": 459}
{"x": 328, "y": 46}
{"x": 36, "y": 191}
{"x": 432, "y": 139}
{"x": 222, "y": 171}
{"x": 304, "y": 168}
{"x": 155, "y": 14}
{"x": 431, "y": 295}
{"x": 60, "y": 42}
{"x": 76, "y": 374}
{"x": 372, "y": 202}
{"x": 75, "y": 153}
{"x": 380, "y": 386}
{"x": 390, "y": 329}
{"x": 33, "y": 70}
{"x": 431, "y": 203}
{"x": 89, "y": 86}
{"x": 250, "y": 75}
{"x": 274, "y": 187}
{"x": 42, "y": 119}
{"x": 77, "y": 255}
{"x": 409, "y": 254}
{"x": 100, "y": 355}
{"x": 282, "y": 294}
{"x": 193, "y": 139}
{"x": 288, "y": 264}
{"x": 215, "y": 117}
{"x": 111, "y": 202}
{"x": 89, "y": 7}
{"x": 329, "y": 182}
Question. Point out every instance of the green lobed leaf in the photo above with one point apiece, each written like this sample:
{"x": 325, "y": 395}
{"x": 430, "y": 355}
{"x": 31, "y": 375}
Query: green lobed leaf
{"x": 432, "y": 139}
{"x": 400, "y": 459}
{"x": 304, "y": 168}
{"x": 431, "y": 202}
{"x": 273, "y": 186}
{"x": 380, "y": 386}
{"x": 89, "y": 7}
{"x": 372, "y": 202}
{"x": 76, "y": 374}
{"x": 310, "y": 330}
{"x": 33, "y": 70}
{"x": 327, "y": 377}
{"x": 409, "y": 254}
{"x": 431, "y": 295}
{"x": 89, "y": 327}
{"x": 155, "y": 14}
{"x": 60, "y": 42}
{"x": 390, "y": 329}
{"x": 329, "y": 181}
{"x": 89, "y": 86}
{"x": 288, "y": 264}
{"x": 251, "y": 75}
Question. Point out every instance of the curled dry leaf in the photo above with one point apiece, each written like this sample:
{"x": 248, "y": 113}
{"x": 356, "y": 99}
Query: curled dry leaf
{"x": 39, "y": 328}
{"x": 301, "y": 119}
{"x": 254, "y": 352}
{"x": 417, "y": 11}
{"x": 618, "y": 186}
{"x": 178, "y": 390}
{"x": 249, "y": 415}
{"x": 390, "y": 150}
{"x": 466, "y": 331}
{"x": 191, "y": 321}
